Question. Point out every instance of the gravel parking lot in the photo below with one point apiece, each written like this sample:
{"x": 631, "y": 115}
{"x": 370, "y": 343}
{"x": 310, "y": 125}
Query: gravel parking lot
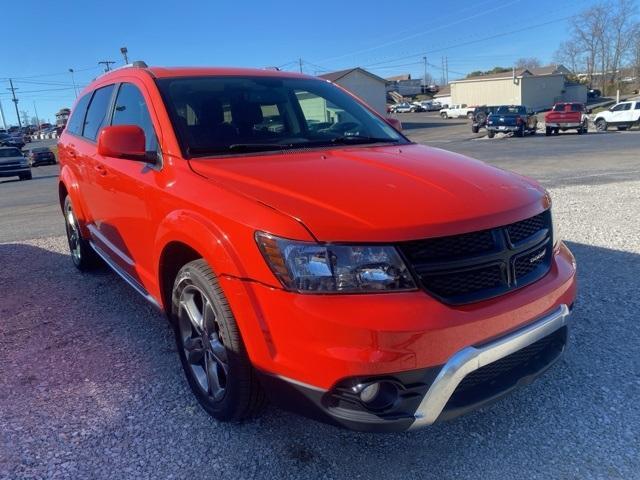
{"x": 92, "y": 386}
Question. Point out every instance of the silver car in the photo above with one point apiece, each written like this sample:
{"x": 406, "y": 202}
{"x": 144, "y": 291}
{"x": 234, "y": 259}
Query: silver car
{"x": 14, "y": 164}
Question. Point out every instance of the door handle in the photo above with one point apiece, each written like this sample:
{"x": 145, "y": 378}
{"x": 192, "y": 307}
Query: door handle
{"x": 101, "y": 170}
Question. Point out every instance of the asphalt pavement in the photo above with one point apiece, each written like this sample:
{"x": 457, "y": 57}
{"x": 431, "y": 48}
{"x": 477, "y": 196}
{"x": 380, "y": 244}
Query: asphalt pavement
{"x": 92, "y": 386}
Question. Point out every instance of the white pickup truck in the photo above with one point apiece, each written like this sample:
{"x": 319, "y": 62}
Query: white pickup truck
{"x": 455, "y": 111}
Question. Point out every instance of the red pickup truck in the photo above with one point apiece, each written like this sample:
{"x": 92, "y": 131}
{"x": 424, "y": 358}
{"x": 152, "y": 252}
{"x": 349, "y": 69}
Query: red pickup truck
{"x": 567, "y": 116}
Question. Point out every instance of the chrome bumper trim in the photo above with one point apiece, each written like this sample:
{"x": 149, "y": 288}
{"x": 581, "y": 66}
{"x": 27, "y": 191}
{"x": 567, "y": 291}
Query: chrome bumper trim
{"x": 470, "y": 359}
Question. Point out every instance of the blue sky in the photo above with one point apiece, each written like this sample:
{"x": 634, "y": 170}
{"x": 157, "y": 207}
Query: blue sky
{"x": 387, "y": 38}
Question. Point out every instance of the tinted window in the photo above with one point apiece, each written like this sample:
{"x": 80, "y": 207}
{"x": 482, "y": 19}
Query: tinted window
{"x": 10, "y": 152}
{"x": 621, "y": 106}
{"x": 576, "y": 107}
{"x": 131, "y": 109}
{"x": 97, "y": 112}
{"x": 637, "y": 105}
{"x": 235, "y": 115}
{"x": 511, "y": 110}
{"x": 74, "y": 125}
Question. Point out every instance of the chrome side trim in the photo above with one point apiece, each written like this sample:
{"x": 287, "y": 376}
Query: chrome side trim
{"x": 125, "y": 276}
{"x": 469, "y": 359}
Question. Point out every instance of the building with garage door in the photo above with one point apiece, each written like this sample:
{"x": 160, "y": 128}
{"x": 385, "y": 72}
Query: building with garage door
{"x": 365, "y": 85}
{"x": 536, "y": 88}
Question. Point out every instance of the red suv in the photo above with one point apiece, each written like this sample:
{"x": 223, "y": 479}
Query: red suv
{"x": 306, "y": 251}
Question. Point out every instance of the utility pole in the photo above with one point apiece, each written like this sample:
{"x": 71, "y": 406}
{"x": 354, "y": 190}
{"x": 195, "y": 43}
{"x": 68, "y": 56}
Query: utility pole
{"x": 73, "y": 80}
{"x": 15, "y": 101}
{"x": 124, "y": 51}
{"x": 4, "y": 122}
{"x": 446, "y": 70}
{"x": 37, "y": 117}
{"x": 300, "y": 64}
{"x": 424, "y": 78}
{"x": 107, "y": 64}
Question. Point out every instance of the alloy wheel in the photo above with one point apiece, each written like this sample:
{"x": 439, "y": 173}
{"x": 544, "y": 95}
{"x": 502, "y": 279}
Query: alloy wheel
{"x": 73, "y": 234}
{"x": 203, "y": 347}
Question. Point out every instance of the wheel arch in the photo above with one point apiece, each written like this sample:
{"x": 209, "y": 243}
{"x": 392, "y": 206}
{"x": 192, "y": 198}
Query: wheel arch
{"x": 68, "y": 185}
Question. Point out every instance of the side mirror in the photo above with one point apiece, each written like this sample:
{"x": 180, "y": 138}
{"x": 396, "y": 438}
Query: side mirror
{"x": 395, "y": 123}
{"x": 123, "y": 141}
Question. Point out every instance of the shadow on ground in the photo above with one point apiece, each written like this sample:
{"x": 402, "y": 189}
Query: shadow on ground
{"x": 92, "y": 387}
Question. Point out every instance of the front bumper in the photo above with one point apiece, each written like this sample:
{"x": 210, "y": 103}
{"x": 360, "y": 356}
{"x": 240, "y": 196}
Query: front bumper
{"x": 563, "y": 125}
{"x": 472, "y": 378}
{"x": 13, "y": 172}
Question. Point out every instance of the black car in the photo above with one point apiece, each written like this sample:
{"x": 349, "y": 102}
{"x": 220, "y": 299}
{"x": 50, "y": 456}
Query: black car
{"x": 41, "y": 156}
{"x": 594, "y": 93}
{"x": 480, "y": 115}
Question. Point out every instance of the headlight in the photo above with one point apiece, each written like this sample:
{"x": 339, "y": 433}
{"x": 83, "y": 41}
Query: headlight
{"x": 327, "y": 268}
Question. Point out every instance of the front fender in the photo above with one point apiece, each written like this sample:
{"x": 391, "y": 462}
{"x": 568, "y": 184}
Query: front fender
{"x": 69, "y": 181}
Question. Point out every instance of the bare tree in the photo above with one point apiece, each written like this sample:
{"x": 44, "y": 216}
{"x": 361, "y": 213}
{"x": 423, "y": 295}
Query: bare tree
{"x": 528, "y": 62}
{"x": 605, "y": 33}
{"x": 571, "y": 55}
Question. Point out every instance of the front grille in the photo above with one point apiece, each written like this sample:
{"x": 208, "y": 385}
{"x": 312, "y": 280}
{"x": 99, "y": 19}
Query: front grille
{"x": 498, "y": 376}
{"x": 10, "y": 166}
{"x": 475, "y": 266}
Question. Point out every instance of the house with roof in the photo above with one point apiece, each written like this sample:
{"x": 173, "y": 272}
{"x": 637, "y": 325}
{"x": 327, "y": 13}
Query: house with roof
{"x": 363, "y": 84}
{"x": 536, "y": 88}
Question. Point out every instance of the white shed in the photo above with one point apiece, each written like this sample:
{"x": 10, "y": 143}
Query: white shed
{"x": 368, "y": 87}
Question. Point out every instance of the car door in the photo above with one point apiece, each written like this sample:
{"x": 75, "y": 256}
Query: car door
{"x": 619, "y": 113}
{"x": 126, "y": 217}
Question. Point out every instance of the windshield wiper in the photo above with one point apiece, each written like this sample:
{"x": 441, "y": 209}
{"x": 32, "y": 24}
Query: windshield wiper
{"x": 237, "y": 147}
{"x": 347, "y": 139}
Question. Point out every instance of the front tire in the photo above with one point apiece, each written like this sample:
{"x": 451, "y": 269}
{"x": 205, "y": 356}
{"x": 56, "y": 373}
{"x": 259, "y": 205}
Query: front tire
{"x": 210, "y": 346}
{"x": 26, "y": 176}
{"x": 444, "y": 115}
{"x": 601, "y": 125}
{"x": 83, "y": 256}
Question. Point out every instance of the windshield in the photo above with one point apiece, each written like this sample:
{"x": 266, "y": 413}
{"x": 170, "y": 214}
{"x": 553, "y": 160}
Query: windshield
{"x": 233, "y": 115}
{"x": 511, "y": 110}
{"x": 9, "y": 152}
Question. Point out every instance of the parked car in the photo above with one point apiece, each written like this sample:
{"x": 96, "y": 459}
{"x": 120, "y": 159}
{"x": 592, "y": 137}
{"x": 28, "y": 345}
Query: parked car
{"x": 594, "y": 93}
{"x": 418, "y": 107}
{"x": 404, "y": 107}
{"x": 430, "y": 106}
{"x": 456, "y": 111}
{"x": 480, "y": 115}
{"x": 622, "y": 115}
{"x": 9, "y": 140}
{"x": 296, "y": 264}
{"x": 14, "y": 164}
{"x": 41, "y": 156}
{"x": 512, "y": 118}
{"x": 567, "y": 116}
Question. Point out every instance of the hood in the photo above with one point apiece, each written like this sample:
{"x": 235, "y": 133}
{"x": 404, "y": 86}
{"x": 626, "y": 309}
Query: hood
{"x": 16, "y": 159}
{"x": 380, "y": 194}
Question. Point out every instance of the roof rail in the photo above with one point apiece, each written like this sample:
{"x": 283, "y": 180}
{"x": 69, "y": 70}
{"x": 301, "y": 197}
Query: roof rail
{"x": 136, "y": 64}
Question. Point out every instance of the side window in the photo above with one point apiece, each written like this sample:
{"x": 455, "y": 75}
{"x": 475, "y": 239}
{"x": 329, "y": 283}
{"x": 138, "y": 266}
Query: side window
{"x": 97, "y": 113}
{"x": 131, "y": 109}
{"x": 74, "y": 125}
{"x": 621, "y": 107}
{"x": 626, "y": 106}
{"x": 637, "y": 105}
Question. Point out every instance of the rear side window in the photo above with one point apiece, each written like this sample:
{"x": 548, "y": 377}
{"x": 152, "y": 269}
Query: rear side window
{"x": 131, "y": 109}
{"x": 97, "y": 113}
{"x": 576, "y": 107}
{"x": 74, "y": 125}
{"x": 637, "y": 105}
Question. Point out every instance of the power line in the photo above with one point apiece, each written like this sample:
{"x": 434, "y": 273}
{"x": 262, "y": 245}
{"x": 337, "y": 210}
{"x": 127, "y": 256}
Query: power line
{"x": 471, "y": 42}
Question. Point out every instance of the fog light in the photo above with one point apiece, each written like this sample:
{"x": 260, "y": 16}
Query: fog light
{"x": 379, "y": 395}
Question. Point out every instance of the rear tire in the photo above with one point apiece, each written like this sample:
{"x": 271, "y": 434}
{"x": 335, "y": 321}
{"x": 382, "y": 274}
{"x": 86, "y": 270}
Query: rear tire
{"x": 548, "y": 131}
{"x": 470, "y": 115}
{"x": 210, "y": 346}
{"x": 475, "y": 129}
{"x": 83, "y": 256}
{"x": 491, "y": 134}
{"x": 520, "y": 132}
